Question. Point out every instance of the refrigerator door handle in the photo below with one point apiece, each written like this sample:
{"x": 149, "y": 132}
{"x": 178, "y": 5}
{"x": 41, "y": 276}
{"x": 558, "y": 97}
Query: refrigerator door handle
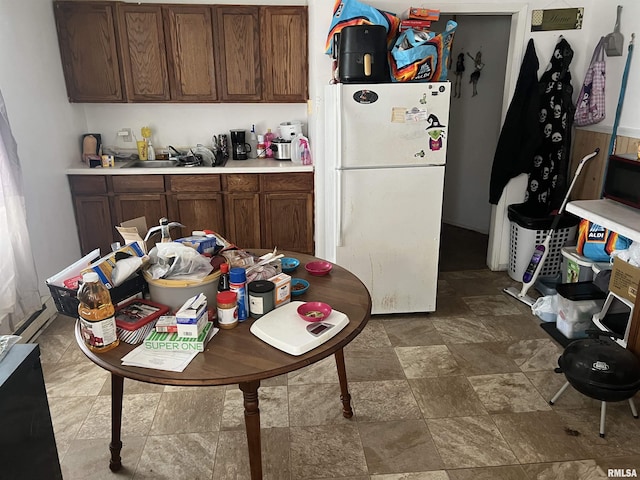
{"x": 338, "y": 208}
{"x": 339, "y": 127}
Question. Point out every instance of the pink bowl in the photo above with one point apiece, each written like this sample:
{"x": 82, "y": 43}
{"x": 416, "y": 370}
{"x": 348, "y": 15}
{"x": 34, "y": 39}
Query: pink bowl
{"x": 318, "y": 267}
{"x": 314, "y": 311}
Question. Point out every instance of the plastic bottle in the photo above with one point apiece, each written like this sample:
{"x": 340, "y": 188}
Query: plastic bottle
{"x": 151, "y": 153}
{"x": 238, "y": 284}
{"x": 166, "y": 235}
{"x": 268, "y": 138}
{"x": 261, "y": 148}
{"x": 97, "y": 314}
{"x": 306, "y": 152}
{"x": 253, "y": 142}
{"x": 223, "y": 282}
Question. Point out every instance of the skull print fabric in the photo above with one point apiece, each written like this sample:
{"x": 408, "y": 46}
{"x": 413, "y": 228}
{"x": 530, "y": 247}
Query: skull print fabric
{"x": 548, "y": 177}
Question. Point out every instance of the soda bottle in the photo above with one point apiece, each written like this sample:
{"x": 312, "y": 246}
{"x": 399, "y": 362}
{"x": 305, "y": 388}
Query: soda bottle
{"x": 97, "y": 314}
{"x": 223, "y": 282}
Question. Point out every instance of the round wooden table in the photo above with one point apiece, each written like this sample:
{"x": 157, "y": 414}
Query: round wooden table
{"x": 237, "y": 356}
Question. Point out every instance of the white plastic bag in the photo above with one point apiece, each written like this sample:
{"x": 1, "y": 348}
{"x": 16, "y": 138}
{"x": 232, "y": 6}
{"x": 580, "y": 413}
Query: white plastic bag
{"x": 6, "y": 342}
{"x": 173, "y": 260}
{"x": 546, "y": 308}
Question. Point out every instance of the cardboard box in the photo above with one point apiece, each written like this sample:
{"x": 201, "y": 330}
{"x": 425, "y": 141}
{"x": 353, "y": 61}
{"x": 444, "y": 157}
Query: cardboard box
{"x": 192, "y": 310}
{"x": 282, "y": 290}
{"x": 104, "y": 266}
{"x": 134, "y": 231}
{"x": 624, "y": 279}
{"x": 200, "y": 244}
{"x": 172, "y": 342}
{"x": 192, "y": 330}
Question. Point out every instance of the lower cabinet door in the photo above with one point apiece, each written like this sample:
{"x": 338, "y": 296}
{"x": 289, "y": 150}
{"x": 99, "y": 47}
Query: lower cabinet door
{"x": 288, "y": 221}
{"x": 95, "y": 225}
{"x": 197, "y": 211}
{"x": 243, "y": 219}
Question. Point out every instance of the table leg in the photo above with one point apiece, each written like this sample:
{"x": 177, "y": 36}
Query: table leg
{"x": 117, "y": 384}
{"x": 252, "y": 425}
{"x": 347, "y": 412}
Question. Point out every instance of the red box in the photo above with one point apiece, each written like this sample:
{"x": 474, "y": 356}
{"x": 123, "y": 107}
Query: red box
{"x": 137, "y": 313}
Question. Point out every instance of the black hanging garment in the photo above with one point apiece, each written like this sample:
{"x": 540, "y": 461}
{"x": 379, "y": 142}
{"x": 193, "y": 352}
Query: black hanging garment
{"x": 547, "y": 183}
{"x": 520, "y": 133}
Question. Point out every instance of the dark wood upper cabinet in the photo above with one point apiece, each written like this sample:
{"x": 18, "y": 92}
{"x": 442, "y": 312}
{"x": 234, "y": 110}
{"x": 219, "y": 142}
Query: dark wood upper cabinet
{"x": 128, "y": 52}
{"x": 238, "y": 53}
{"x": 285, "y": 45}
{"x": 189, "y": 40}
{"x": 143, "y": 52}
{"x": 87, "y": 36}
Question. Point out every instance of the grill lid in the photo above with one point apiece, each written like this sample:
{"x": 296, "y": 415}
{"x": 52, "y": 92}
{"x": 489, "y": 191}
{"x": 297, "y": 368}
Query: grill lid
{"x": 600, "y": 363}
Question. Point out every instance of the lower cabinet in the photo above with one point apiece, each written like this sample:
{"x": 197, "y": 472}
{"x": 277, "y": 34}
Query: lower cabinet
{"x": 264, "y": 210}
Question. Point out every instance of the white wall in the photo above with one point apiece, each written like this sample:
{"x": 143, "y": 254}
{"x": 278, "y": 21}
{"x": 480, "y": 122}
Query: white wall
{"x": 474, "y": 122}
{"x": 47, "y": 127}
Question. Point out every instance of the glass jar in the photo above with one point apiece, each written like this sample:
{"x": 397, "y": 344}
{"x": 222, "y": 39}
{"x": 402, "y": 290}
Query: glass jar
{"x": 261, "y": 297}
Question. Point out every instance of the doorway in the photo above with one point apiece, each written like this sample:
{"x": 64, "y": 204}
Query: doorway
{"x": 498, "y": 228}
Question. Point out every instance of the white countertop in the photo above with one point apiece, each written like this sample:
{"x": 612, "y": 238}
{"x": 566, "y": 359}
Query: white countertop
{"x": 232, "y": 166}
{"x": 615, "y": 216}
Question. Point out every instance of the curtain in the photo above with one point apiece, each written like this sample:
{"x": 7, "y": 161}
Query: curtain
{"x": 19, "y": 294}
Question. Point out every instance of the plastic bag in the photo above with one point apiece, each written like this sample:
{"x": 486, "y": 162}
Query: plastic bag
{"x": 596, "y": 242}
{"x": 353, "y": 12}
{"x": 630, "y": 255}
{"x": 174, "y": 260}
{"x": 546, "y": 308}
{"x": 591, "y": 99}
{"x": 420, "y": 56}
{"x": 6, "y": 342}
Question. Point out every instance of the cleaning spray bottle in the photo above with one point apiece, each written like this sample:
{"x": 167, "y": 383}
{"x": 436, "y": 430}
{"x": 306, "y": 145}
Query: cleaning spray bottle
{"x": 253, "y": 142}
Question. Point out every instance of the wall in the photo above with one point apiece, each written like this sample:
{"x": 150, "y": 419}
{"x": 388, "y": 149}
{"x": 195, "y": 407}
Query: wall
{"x": 474, "y": 121}
{"x": 47, "y": 127}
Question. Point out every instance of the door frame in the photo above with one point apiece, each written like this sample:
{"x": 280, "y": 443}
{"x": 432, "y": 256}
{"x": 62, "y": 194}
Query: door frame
{"x": 499, "y": 227}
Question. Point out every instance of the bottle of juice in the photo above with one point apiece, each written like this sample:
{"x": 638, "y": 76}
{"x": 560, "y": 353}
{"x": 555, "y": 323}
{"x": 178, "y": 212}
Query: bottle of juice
{"x": 97, "y": 314}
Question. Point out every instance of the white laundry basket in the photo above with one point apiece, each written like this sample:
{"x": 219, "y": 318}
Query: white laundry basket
{"x": 527, "y": 232}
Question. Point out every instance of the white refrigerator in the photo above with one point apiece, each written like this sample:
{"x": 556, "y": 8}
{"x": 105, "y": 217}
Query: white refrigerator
{"x": 385, "y": 151}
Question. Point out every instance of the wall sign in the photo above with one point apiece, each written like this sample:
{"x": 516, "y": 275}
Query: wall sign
{"x": 557, "y": 19}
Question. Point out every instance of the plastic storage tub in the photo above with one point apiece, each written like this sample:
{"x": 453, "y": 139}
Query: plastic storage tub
{"x": 527, "y": 231}
{"x": 576, "y": 268}
{"x": 577, "y": 302}
{"x": 174, "y": 293}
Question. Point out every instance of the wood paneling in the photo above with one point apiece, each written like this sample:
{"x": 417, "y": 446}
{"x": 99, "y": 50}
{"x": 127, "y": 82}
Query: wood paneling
{"x": 589, "y": 184}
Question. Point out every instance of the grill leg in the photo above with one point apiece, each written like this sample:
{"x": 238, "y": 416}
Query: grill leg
{"x": 603, "y": 412}
{"x": 634, "y": 412}
{"x": 560, "y": 392}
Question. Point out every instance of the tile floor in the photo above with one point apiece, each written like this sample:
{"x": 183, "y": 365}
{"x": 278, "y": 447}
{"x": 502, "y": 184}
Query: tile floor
{"x": 458, "y": 394}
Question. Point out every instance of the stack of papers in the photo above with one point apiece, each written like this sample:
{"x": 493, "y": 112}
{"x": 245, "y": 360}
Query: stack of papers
{"x": 171, "y": 361}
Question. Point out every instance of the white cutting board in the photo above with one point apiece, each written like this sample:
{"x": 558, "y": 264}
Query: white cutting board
{"x": 283, "y": 329}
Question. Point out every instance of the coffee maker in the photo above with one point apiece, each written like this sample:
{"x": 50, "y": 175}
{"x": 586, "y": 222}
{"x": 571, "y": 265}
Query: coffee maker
{"x": 239, "y": 147}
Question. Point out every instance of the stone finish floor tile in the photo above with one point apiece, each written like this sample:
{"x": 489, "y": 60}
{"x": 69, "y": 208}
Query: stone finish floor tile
{"x": 467, "y": 329}
{"x": 432, "y": 475}
{"x": 446, "y": 397}
{"x": 373, "y": 335}
{"x": 383, "y": 401}
{"x": 538, "y": 437}
{"x": 412, "y": 331}
{"x": 535, "y": 355}
{"x": 578, "y": 470}
{"x": 323, "y": 371}
{"x": 315, "y": 405}
{"x": 493, "y": 305}
{"x": 509, "y": 472}
{"x": 429, "y": 361}
{"x": 90, "y": 459}
{"x": 326, "y": 451}
{"x": 466, "y": 442}
{"x": 197, "y": 410}
{"x": 272, "y": 402}
{"x": 483, "y": 358}
{"x": 508, "y": 392}
{"x": 183, "y": 455}
{"x": 372, "y": 365}
{"x": 401, "y": 446}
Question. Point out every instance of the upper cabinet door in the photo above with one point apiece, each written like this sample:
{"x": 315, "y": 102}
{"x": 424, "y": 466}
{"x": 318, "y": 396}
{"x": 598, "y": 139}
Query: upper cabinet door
{"x": 238, "y": 53}
{"x": 89, "y": 51}
{"x": 284, "y": 43}
{"x": 189, "y": 38}
{"x": 143, "y": 52}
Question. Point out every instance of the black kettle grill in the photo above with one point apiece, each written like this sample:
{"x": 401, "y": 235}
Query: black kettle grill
{"x": 601, "y": 369}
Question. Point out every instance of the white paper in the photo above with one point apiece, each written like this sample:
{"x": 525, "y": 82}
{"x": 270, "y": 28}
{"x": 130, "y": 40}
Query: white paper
{"x": 171, "y": 361}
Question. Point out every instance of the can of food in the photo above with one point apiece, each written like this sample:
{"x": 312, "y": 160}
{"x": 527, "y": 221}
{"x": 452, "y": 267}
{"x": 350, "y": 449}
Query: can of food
{"x": 261, "y": 299}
